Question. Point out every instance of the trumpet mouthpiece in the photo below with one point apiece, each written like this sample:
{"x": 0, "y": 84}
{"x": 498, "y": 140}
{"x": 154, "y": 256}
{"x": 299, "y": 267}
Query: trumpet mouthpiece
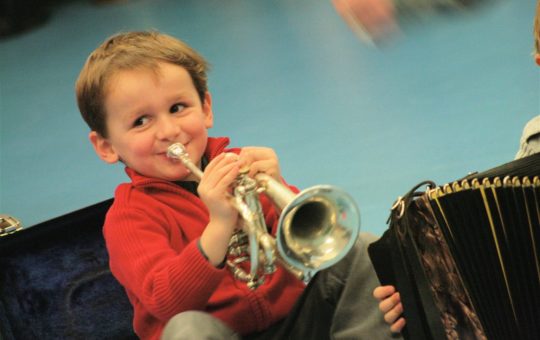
{"x": 176, "y": 151}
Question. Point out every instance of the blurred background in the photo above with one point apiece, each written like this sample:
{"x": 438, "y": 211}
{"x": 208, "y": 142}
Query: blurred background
{"x": 447, "y": 96}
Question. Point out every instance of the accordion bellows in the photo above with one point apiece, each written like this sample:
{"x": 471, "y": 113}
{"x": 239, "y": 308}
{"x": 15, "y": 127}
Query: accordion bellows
{"x": 465, "y": 256}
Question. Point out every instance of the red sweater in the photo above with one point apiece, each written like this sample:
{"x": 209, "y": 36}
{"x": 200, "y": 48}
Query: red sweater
{"x": 151, "y": 232}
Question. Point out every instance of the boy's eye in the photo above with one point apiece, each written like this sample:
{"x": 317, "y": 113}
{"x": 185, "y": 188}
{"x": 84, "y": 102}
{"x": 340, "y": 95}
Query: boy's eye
{"x": 140, "y": 121}
{"x": 177, "y": 108}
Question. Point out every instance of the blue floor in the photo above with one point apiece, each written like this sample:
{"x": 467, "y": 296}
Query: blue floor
{"x": 448, "y": 96}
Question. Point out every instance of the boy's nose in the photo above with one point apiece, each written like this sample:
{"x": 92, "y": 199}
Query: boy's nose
{"x": 168, "y": 129}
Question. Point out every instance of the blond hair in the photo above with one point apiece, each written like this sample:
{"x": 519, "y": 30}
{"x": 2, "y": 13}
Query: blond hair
{"x": 126, "y": 51}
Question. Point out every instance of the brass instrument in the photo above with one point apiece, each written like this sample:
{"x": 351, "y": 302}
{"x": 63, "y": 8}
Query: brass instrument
{"x": 316, "y": 227}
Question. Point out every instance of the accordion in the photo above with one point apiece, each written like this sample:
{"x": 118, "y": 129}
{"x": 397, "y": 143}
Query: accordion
{"x": 465, "y": 256}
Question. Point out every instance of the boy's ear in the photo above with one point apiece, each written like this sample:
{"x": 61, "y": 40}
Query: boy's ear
{"x": 207, "y": 110}
{"x": 537, "y": 58}
{"x": 103, "y": 148}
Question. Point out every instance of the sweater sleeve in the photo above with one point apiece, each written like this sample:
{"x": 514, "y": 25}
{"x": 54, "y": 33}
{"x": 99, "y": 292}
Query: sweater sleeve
{"x": 164, "y": 280}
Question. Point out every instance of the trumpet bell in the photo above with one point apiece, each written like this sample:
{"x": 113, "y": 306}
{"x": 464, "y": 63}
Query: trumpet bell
{"x": 318, "y": 228}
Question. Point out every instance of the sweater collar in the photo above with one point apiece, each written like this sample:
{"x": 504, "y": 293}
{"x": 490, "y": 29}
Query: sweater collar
{"x": 214, "y": 146}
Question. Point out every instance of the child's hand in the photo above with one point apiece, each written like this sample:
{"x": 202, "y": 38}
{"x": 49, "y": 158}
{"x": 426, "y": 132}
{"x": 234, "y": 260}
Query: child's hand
{"x": 214, "y": 190}
{"x": 391, "y": 306}
{"x": 260, "y": 159}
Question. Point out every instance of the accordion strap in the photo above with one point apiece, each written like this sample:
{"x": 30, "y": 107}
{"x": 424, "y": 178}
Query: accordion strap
{"x": 403, "y": 203}
{"x": 429, "y": 325}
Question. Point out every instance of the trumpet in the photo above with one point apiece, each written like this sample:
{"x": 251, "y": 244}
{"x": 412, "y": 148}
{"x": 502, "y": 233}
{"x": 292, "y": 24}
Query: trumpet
{"x": 316, "y": 227}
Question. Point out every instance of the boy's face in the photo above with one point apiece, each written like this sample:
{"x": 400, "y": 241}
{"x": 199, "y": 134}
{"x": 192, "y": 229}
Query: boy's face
{"x": 146, "y": 112}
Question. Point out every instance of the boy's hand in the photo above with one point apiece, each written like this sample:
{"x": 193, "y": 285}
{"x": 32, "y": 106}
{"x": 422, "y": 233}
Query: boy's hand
{"x": 214, "y": 190}
{"x": 260, "y": 159}
{"x": 391, "y": 306}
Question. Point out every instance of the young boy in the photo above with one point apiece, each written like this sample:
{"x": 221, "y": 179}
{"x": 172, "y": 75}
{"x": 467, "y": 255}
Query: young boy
{"x": 167, "y": 233}
{"x": 390, "y": 301}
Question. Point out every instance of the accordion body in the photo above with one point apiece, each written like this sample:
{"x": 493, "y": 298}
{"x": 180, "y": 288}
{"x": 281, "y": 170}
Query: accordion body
{"x": 465, "y": 256}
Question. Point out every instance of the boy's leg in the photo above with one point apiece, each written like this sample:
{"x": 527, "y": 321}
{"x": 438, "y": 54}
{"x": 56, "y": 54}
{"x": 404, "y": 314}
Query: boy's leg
{"x": 338, "y": 302}
{"x": 357, "y": 314}
{"x": 195, "y": 325}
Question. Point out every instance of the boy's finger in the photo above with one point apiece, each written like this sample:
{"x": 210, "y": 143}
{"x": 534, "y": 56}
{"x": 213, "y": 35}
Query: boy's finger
{"x": 397, "y": 326}
{"x": 265, "y": 166}
{"x": 220, "y": 160}
{"x": 394, "y": 313}
{"x": 223, "y": 173}
{"x": 389, "y": 303}
{"x": 383, "y": 292}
